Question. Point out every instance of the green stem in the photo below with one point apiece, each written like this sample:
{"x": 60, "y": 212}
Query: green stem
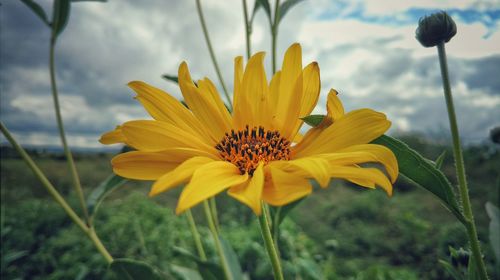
{"x": 218, "y": 245}
{"x": 196, "y": 235}
{"x": 60, "y": 125}
{"x": 212, "y": 55}
{"x": 248, "y": 29}
{"x": 89, "y": 231}
{"x": 213, "y": 208}
{"x": 274, "y": 32}
{"x": 269, "y": 244}
{"x": 276, "y": 228}
{"x": 459, "y": 164}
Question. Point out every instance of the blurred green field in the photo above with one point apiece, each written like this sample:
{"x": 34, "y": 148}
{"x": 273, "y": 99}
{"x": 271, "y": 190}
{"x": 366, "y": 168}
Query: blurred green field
{"x": 343, "y": 232}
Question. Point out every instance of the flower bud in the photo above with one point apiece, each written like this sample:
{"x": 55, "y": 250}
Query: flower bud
{"x": 434, "y": 29}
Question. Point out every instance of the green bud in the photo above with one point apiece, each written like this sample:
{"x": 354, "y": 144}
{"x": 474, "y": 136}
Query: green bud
{"x": 434, "y": 29}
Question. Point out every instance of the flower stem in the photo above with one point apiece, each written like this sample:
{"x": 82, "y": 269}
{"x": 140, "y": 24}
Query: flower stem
{"x": 60, "y": 125}
{"x": 212, "y": 55}
{"x": 196, "y": 235}
{"x": 248, "y": 30}
{"x": 459, "y": 164}
{"x": 89, "y": 231}
{"x": 218, "y": 245}
{"x": 269, "y": 244}
{"x": 274, "y": 32}
{"x": 213, "y": 208}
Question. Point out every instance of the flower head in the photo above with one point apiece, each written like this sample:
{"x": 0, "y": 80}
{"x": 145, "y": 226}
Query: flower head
{"x": 257, "y": 151}
{"x": 436, "y": 28}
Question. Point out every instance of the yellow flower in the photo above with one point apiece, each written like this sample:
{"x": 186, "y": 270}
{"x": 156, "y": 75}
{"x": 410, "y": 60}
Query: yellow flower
{"x": 257, "y": 152}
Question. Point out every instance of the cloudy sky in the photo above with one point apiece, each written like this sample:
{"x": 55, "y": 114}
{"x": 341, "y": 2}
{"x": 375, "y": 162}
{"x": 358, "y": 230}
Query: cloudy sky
{"x": 365, "y": 49}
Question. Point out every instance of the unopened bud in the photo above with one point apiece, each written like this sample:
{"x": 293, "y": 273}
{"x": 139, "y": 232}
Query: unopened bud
{"x": 434, "y": 29}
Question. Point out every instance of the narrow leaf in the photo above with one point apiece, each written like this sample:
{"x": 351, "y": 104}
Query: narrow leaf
{"x": 313, "y": 120}
{"x": 60, "y": 16}
{"x": 89, "y": 0}
{"x": 439, "y": 161}
{"x": 451, "y": 270}
{"x": 264, "y": 4}
{"x": 185, "y": 273}
{"x": 37, "y": 9}
{"x": 232, "y": 259}
{"x": 128, "y": 269}
{"x": 98, "y": 194}
{"x": 208, "y": 270}
{"x": 494, "y": 214}
{"x": 171, "y": 78}
{"x": 285, "y": 7}
{"x": 423, "y": 173}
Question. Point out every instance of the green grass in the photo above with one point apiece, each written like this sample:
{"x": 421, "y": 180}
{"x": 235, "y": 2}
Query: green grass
{"x": 343, "y": 232}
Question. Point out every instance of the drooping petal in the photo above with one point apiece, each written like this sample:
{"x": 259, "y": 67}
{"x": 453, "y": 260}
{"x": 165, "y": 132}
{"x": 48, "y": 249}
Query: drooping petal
{"x": 201, "y": 105}
{"x": 356, "y": 127}
{"x": 250, "y": 192}
{"x": 156, "y": 136}
{"x": 163, "y": 107}
{"x": 207, "y": 181}
{"x": 283, "y": 187}
{"x": 312, "y": 167}
{"x": 367, "y": 153}
{"x": 143, "y": 165}
{"x": 113, "y": 137}
{"x": 365, "y": 174}
{"x": 179, "y": 175}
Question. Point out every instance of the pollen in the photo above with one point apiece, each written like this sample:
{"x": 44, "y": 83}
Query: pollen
{"x": 246, "y": 148}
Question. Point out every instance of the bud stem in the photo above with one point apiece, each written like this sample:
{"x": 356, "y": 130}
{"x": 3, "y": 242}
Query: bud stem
{"x": 459, "y": 164}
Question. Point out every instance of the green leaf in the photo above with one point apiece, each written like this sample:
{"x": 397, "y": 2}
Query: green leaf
{"x": 423, "y": 173}
{"x": 494, "y": 214}
{"x": 185, "y": 273}
{"x": 98, "y": 194}
{"x": 313, "y": 120}
{"x": 89, "y": 0}
{"x": 171, "y": 78}
{"x": 37, "y": 9}
{"x": 14, "y": 256}
{"x": 232, "y": 259}
{"x": 60, "y": 16}
{"x": 440, "y": 159}
{"x": 451, "y": 270}
{"x": 208, "y": 270}
{"x": 264, "y": 4}
{"x": 128, "y": 269}
{"x": 285, "y": 7}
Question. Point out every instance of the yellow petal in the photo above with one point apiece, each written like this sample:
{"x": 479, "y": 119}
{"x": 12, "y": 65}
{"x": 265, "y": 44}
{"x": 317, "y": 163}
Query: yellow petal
{"x": 162, "y": 106}
{"x": 155, "y": 136}
{"x": 207, "y": 181}
{"x": 187, "y": 153}
{"x": 207, "y": 87}
{"x": 356, "y": 127}
{"x": 312, "y": 167}
{"x": 143, "y": 165}
{"x": 250, "y": 192}
{"x": 364, "y": 174}
{"x": 255, "y": 89}
{"x": 239, "y": 100}
{"x": 113, "y": 137}
{"x": 283, "y": 187}
{"x": 179, "y": 175}
{"x": 334, "y": 106}
{"x": 274, "y": 93}
{"x": 201, "y": 105}
{"x": 366, "y": 153}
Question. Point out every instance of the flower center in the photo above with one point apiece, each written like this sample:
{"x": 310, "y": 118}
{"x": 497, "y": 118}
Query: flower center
{"x": 246, "y": 148}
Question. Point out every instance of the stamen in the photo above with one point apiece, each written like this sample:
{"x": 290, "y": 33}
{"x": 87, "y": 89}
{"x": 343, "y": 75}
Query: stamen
{"x": 246, "y": 148}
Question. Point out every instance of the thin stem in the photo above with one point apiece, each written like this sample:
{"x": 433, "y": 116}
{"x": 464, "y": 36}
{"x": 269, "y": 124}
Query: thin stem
{"x": 269, "y": 244}
{"x": 218, "y": 245}
{"x": 89, "y": 231}
{"x": 276, "y": 228}
{"x": 212, "y": 55}
{"x": 248, "y": 27}
{"x": 196, "y": 235}
{"x": 213, "y": 208}
{"x": 60, "y": 125}
{"x": 274, "y": 32}
{"x": 459, "y": 164}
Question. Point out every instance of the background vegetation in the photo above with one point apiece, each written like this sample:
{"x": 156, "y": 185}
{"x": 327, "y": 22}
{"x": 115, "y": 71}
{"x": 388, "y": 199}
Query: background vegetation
{"x": 343, "y": 232}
